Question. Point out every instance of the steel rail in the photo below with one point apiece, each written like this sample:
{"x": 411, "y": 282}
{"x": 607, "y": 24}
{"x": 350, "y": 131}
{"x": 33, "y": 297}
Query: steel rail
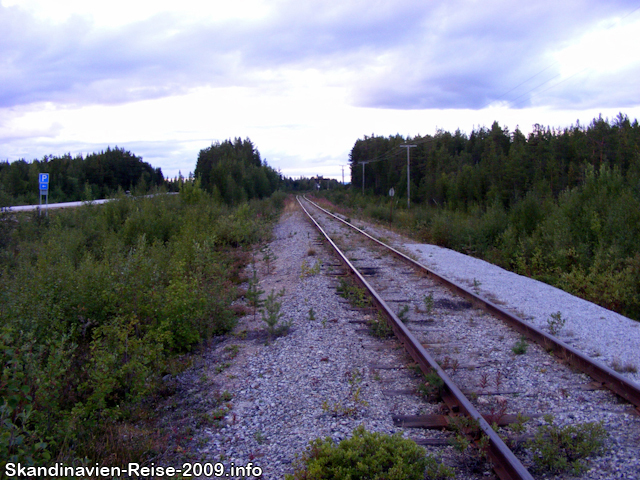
{"x": 599, "y": 372}
{"x": 505, "y": 463}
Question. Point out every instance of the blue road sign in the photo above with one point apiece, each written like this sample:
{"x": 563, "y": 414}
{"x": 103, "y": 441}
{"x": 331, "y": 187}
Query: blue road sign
{"x": 43, "y": 178}
{"x": 44, "y": 186}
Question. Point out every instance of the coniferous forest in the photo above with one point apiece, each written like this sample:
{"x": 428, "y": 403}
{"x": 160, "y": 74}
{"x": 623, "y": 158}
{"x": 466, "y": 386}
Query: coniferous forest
{"x": 98, "y": 175}
{"x": 234, "y": 172}
{"x": 560, "y": 205}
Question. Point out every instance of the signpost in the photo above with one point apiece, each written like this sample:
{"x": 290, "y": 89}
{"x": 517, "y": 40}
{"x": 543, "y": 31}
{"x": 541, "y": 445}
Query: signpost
{"x": 43, "y": 180}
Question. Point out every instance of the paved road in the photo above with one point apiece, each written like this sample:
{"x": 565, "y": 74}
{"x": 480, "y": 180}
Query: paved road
{"x": 24, "y": 208}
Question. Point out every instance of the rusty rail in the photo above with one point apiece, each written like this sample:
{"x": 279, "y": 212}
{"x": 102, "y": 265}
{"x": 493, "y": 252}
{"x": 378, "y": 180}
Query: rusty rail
{"x": 602, "y": 374}
{"x": 504, "y": 462}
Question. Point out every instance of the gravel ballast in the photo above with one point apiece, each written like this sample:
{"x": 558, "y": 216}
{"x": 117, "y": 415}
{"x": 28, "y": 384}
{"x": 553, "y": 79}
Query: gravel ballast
{"x": 600, "y": 333}
{"x": 286, "y": 391}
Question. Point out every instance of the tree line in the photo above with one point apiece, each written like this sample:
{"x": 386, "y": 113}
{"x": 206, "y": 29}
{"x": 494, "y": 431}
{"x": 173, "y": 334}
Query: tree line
{"x": 559, "y": 205}
{"x": 98, "y": 175}
{"x": 232, "y": 171}
{"x": 490, "y": 165}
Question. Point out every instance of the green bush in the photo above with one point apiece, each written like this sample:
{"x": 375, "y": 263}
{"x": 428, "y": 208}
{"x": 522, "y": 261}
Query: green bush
{"x": 95, "y": 301}
{"x": 370, "y": 456}
{"x": 560, "y": 449}
{"x": 20, "y": 441}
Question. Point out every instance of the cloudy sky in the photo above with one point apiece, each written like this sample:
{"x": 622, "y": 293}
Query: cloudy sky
{"x": 302, "y": 79}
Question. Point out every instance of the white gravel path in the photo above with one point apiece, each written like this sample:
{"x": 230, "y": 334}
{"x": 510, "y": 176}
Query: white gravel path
{"x": 600, "y": 333}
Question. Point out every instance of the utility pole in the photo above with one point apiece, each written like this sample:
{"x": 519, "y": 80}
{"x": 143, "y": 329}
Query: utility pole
{"x": 363, "y": 164}
{"x": 408, "y": 175}
{"x": 342, "y": 174}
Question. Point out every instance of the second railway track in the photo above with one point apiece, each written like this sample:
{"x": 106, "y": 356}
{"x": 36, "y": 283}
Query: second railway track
{"x": 491, "y": 372}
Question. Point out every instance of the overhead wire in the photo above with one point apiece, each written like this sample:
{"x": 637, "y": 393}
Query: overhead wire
{"x": 522, "y": 83}
{"x": 552, "y": 86}
{"x": 512, "y": 102}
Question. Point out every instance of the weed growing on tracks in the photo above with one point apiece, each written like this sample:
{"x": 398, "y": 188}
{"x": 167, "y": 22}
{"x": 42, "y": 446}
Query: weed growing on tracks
{"x": 432, "y": 387}
{"x": 484, "y": 380}
{"x": 307, "y": 271}
{"x": 312, "y": 315}
{"x": 403, "y": 313}
{"x": 357, "y": 296}
{"x": 474, "y": 456}
{"x": 498, "y": 381}
{"x": 520, "y": 348}
{"x": 259, "y": 437}
{"x": 366, "y": 455}
{"x": 555, "y": 323}
{"x": 497, "y": 409}
{"x": 379, "y": 327}
{"x": 354, "y": 400}
{"x": 428, "y": 303}
{"x": 565, "y": 449}
{"x": 626, "y": 367}
{"x": 518, "y": 427}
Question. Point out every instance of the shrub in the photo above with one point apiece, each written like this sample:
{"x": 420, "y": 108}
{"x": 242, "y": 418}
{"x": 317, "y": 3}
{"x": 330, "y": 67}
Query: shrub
{"x": 555, "y": 323}
{"x": 371, "y": 456}
{"x": 560, "y": 449}
{"x": 94, "y": 303}
{"x": 271, "y": 314}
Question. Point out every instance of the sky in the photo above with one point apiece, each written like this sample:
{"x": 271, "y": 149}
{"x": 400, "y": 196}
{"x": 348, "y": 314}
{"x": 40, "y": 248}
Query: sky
{"x": 303, "y": 80}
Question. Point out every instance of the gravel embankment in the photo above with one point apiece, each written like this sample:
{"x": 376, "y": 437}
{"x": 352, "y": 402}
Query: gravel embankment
{"x": 600, "y": 333}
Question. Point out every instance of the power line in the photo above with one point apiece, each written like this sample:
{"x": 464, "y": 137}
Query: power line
{"x": 554, "y": 85}
{"x": 547, "y": 81}
{"x": 537, "y": 86}
{"x": 520, "y": 84}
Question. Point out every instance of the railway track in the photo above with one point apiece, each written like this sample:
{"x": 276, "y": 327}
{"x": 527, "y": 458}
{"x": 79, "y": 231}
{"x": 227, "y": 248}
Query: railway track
{"x": 472, "y": 345}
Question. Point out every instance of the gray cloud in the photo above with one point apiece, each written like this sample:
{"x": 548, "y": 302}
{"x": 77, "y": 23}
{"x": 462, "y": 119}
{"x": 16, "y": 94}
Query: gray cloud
{"x": 469, "y": 57}
{"x": 435, "y": 55}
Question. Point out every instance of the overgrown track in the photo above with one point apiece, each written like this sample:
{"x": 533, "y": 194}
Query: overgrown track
{"x": 507, "y": 466}
{"x": 599, "y": 372}
{"x": 468, "y": 343}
